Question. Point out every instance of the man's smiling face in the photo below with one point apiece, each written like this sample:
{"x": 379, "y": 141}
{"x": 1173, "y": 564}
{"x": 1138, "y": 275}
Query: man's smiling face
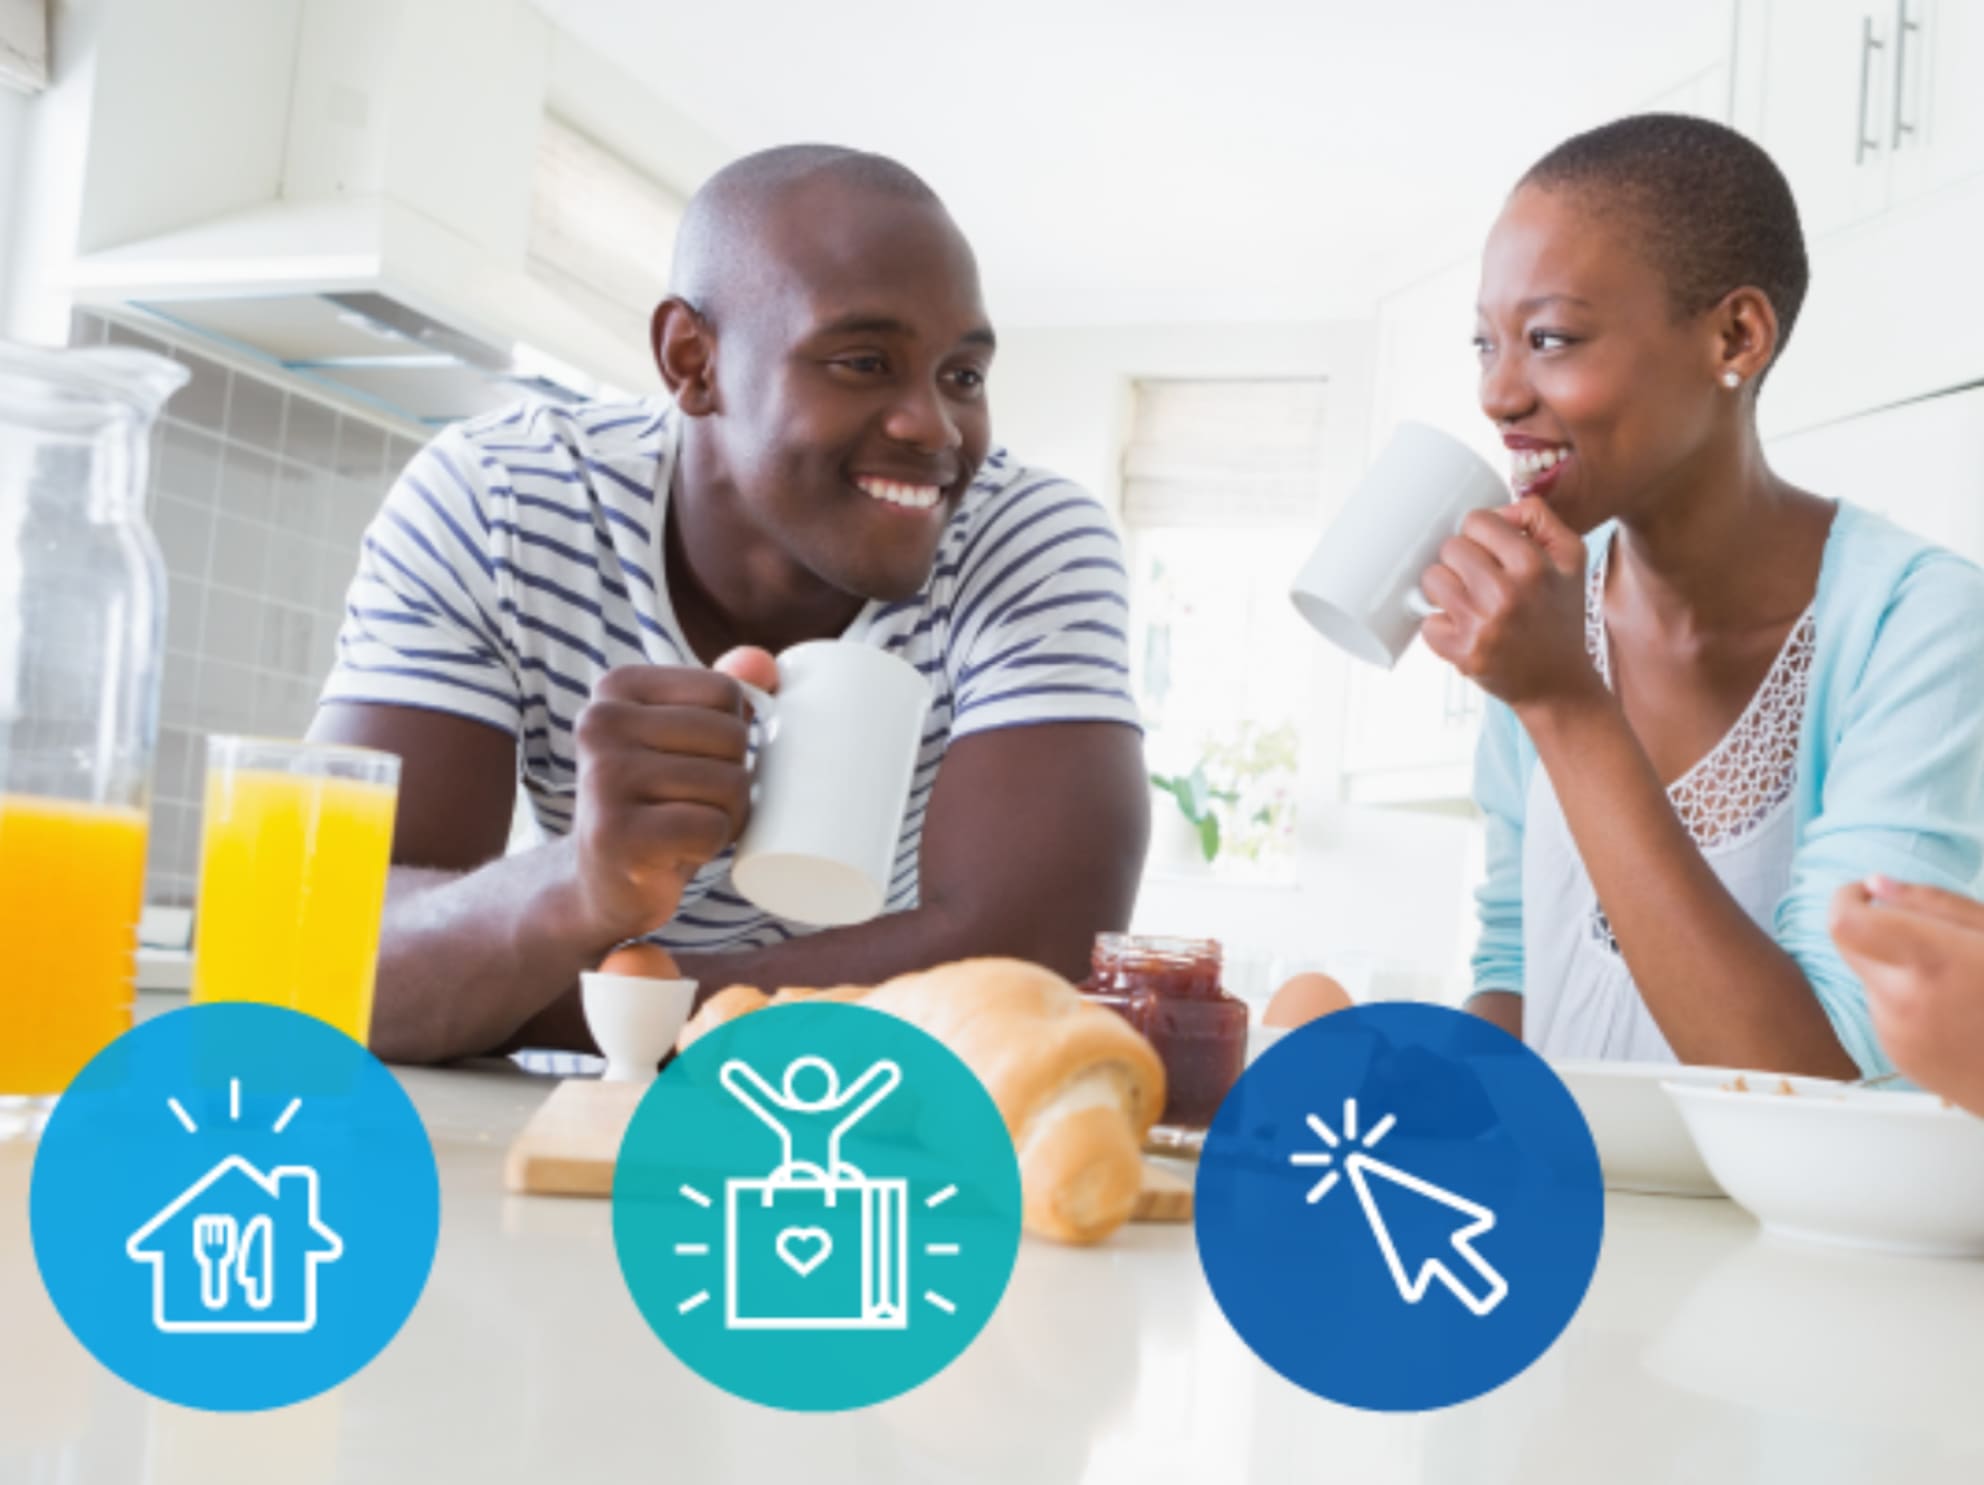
{"x": 849, "y": 371}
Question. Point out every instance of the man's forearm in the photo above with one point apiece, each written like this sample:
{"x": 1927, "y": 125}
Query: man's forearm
{"x": 468, "y": 958}
{"x": 864, "y": 954}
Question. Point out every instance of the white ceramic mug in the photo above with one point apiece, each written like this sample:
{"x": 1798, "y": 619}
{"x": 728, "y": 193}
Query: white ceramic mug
{"x": 1360, "y": 587}
{"x": 841, "y": 739}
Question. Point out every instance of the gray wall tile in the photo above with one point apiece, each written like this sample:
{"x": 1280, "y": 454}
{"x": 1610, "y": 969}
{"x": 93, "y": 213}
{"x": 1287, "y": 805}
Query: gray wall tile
{"x": 241, "y": 554}
{"x": 291, "y": 574}
{"x": 185, "y": 611}
{"x": 361, "y": 451}
{"x": 310, "y": 434}
{"x": 227, "y": 692}
{"x": 179, "y": 692}
{"x": 247, "y": 483}
{"x": 176, "y": 767}
{"x": 137, "y": 340}
{"x": 189, "y": 463}
{"x": 259, "y": 497}
{"x": 231, "y": 630}
{"x": 185, "y": 535}
{"x": 203, "y": 400}
{"x": 254, "y": 414}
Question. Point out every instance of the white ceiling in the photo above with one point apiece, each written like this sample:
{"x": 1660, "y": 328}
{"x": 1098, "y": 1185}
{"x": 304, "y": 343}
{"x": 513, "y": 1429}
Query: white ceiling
{"x": 1172, "y": 160}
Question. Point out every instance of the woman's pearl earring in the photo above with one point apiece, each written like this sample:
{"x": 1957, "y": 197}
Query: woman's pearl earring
{"x": 1732, "y": 380}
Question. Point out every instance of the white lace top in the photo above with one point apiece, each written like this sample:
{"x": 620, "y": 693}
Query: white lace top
{"x": 1579, "y": 999}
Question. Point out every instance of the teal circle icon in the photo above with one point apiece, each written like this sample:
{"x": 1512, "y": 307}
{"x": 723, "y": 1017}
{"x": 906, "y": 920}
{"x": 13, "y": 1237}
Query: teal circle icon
{"x": 817, "y": 1207}
{"x": 234, "y": 1207}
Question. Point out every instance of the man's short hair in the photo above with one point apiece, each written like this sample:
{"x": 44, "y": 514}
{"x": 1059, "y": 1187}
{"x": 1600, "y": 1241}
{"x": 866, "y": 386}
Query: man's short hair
{"x": 730, "y": 209}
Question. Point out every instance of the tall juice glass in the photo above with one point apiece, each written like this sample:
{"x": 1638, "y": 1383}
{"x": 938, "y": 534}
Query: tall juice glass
{"x": 82, "y": 611}
{"x": 293, "y": 860}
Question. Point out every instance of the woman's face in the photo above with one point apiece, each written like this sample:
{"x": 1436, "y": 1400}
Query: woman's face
{"x": 1604, "y": 396}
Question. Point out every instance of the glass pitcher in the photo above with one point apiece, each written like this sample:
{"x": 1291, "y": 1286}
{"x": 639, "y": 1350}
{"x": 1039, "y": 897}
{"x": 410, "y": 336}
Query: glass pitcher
{"x": 82, "y": 624}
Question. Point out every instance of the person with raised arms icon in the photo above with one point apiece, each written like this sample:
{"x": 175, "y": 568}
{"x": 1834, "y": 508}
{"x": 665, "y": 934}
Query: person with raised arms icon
{"x": 805, "y": 1111}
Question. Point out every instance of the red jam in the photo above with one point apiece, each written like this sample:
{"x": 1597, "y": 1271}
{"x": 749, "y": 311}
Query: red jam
{"x": 1168, "y": 988}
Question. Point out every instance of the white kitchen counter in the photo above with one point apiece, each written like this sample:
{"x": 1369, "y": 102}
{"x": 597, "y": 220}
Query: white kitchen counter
{"x": 1704, "y": 1353}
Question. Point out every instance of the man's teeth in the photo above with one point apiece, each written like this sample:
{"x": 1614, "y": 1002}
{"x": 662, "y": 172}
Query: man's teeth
{"x": 916, "y": 497}
{"x": 1527, "y": 463}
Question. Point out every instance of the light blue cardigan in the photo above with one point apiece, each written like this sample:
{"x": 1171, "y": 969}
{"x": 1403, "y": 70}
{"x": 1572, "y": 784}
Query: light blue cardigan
{"x": 1890, "y": 764}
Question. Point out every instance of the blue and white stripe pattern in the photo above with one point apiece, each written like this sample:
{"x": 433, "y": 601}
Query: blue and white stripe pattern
{"x": 518, "y": 559}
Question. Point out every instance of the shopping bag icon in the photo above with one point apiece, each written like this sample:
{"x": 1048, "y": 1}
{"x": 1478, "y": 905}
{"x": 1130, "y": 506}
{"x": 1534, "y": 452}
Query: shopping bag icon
{"x": 816, "y": 1245}
{"x": 803, "y": 1254}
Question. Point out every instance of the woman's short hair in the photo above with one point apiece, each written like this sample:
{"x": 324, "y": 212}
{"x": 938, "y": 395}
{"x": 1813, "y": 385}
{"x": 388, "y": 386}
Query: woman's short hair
{"x": 1710, "y": 208}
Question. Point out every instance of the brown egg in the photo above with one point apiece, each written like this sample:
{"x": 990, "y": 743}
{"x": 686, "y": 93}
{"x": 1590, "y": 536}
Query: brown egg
{"x": 1305, "y": 997}
{"x": 640, "y": 962}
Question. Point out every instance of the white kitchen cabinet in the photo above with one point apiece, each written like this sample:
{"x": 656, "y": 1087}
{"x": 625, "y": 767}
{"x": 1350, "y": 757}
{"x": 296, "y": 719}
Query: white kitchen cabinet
{"x": 1825, "y": 85}
{"x": 1941, "y": 64}
{"x": 1891, "y": 188}
{"x": 1865, "y": 104}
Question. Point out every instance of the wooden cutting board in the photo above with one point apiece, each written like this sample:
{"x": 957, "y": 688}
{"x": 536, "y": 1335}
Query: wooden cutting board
{"x": 570, "y": 1143}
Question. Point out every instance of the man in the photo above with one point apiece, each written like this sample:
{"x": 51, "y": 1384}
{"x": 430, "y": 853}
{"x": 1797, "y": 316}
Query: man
{"x": 569, "y": 592}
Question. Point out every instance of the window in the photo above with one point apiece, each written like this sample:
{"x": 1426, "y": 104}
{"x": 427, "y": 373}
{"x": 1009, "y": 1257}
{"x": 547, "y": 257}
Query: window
{"x": 1222, "y": 497}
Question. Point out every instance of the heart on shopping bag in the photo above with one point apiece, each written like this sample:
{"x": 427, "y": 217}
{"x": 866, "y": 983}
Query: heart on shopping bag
{"x": 804, "y": 1248}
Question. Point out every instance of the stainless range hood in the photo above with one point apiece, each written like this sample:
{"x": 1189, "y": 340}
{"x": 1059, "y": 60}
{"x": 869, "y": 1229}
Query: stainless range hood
{"x": 310, "y": 192}
{"x": 370, "y": 348}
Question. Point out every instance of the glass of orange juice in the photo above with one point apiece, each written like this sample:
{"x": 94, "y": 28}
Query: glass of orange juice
{"x": 293, "y": 858}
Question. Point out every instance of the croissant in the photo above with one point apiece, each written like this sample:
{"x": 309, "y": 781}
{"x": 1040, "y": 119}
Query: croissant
{"x": 1077, "y": 1086}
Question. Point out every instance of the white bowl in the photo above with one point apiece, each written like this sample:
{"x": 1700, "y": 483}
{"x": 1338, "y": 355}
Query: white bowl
{"x": 1861, "y": 1167}
{"x": 635, "y": 1020}
{"x": 1642, "y": 1143}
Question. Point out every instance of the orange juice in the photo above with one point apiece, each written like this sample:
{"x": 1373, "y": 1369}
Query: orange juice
{"x": 72, "y": 879}
{"x": 292, "y": 883}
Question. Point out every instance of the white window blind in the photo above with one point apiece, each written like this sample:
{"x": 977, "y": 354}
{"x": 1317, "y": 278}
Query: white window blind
{"x": 1225, "y": 453}
{"x": 601, "y": 230}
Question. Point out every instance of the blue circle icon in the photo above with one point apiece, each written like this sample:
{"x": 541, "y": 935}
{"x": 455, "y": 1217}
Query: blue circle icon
{"x": 234, "y": 1207}
{"x": 817, "y": 1207}
{"x": 1399, "y": 1207}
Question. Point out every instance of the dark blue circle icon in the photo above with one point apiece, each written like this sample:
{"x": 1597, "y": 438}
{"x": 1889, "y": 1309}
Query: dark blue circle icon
{"x": 234, "y": 1206}
{"x": 1399, "y": 1207}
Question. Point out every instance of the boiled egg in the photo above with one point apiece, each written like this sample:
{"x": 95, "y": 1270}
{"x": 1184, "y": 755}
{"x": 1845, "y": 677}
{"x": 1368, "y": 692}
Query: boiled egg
{"x": 641, "y": 961}
{"x": 1305, "y": 997}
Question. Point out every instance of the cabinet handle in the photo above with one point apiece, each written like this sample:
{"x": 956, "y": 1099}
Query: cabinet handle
{"x": 1902, "y": 26}
{"x": 1868, "y": 46}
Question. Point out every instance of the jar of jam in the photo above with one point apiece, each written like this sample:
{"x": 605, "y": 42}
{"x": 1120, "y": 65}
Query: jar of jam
{"x": 1168, "y": 988}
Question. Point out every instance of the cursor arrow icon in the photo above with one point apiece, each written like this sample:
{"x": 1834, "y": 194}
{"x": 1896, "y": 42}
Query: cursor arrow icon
{"x": 1466, "y": 1220}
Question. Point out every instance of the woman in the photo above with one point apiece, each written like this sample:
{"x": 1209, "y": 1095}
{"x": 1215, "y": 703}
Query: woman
{"x": 1920, "y": 953}
{"x": 1719, "y": 698}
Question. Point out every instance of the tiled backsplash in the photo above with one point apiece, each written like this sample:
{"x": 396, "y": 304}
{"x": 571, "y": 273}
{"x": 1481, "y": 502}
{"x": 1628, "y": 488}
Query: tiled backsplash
{"x": 258, "y": 498}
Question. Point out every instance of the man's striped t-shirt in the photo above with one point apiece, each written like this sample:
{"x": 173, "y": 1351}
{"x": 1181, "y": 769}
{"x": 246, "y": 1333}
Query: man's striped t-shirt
{"x": 518, "y": 559}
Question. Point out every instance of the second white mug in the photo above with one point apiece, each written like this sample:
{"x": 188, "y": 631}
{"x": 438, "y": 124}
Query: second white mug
{"x": 1360, "y": 586}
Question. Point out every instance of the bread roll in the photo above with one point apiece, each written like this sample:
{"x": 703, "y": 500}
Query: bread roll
{"x": 1077, "y": 1086}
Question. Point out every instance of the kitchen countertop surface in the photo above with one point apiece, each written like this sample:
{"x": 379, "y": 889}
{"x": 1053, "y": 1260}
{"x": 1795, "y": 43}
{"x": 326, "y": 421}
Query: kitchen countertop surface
{"x": 1703, "y": 1353}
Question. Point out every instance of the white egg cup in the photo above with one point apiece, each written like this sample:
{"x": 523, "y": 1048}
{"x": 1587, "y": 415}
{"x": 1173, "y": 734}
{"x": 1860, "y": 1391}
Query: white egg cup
{"x": 635, "y": 1020}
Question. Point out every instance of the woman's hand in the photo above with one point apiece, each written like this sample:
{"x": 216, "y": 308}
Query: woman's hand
{"x": 1920, "y": 953}
{"x": 1511, "y": 590}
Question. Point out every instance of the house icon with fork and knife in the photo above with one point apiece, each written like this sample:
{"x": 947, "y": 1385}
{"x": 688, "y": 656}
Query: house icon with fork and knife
{"x": 238, "y": 1252}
